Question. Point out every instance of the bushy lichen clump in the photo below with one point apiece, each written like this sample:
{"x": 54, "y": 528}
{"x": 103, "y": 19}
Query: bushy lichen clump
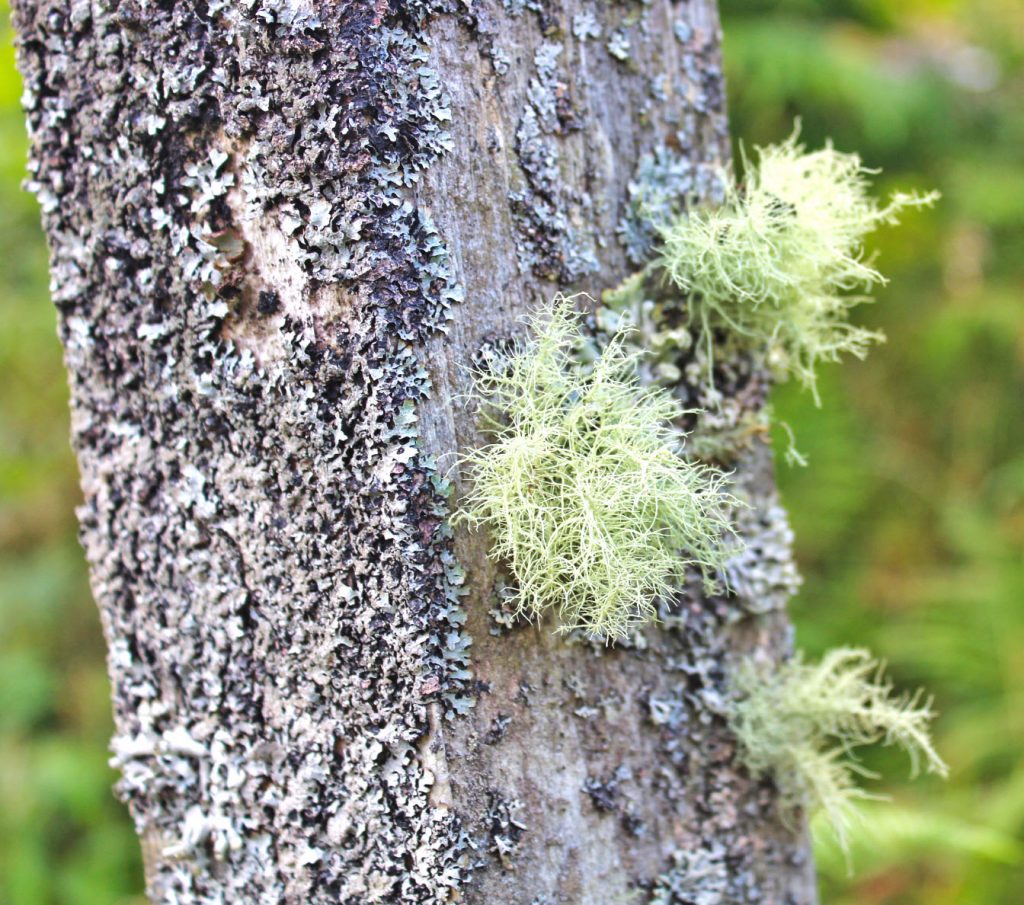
{"x": 800, "y": 723}
{"x": 583, "y": 488}
{"x": 781, "y": 262}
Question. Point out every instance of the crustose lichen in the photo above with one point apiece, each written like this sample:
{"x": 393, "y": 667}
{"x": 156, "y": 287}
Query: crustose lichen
{"x": 583, "y": 488}
{"x": 800, "y": 723}
{"x": 781, "y": 261}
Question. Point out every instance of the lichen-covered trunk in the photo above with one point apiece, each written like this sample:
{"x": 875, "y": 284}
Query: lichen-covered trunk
{"x": 280, "y": 230}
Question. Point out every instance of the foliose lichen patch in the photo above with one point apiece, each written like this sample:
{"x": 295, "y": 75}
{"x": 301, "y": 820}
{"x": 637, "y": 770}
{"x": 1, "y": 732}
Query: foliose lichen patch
{"x": 719, "y": 860}
{"x": 658, "y": 192}
{"x": 552, "y": 240}
{"x": 244, "y": 281}
{"x": 506, "y": 828}
{"x": 697, "y": 877}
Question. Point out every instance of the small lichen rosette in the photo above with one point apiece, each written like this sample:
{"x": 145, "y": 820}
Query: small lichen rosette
{"x": 583, "y": 489}
{"x": 781, "y": 261}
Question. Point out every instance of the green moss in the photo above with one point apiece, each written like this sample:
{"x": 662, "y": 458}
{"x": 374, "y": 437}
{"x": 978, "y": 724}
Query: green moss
{"x": 583, "y": 488}
{"x": 781, "y": 261}
{"x": 801, "y": 723}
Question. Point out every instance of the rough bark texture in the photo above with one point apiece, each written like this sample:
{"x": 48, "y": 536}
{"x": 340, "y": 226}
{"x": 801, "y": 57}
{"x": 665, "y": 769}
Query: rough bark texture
{"x": 280, "y": 230}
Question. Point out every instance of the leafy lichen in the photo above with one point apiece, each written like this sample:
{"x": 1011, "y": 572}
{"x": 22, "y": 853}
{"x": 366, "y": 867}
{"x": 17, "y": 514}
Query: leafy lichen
{"x": 781, "y": 262}
{"x": 697, "y": 877}
{"x": 583, "y": 487}
{"x": 801, "y": 723}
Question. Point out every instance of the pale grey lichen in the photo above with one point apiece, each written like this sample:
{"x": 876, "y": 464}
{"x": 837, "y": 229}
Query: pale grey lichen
{"x": 552, "y": 240}
{"x": 698, "y": 877}
{"x": 618, "y": 45}
{"x": 763, "y": 575}
{"x": 585, "y": 26}
{"x": 682, "y": 30}
{"x": 506, "y": 828}
{"x": 664, "y": 182}
{"x": 516, "y": 8}
{"x": 243, "y": 305}
{"x": 604, "y": 791}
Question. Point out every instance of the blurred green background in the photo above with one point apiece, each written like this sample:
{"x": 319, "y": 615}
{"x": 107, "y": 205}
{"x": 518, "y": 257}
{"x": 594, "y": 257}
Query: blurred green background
{"x": 63, "y": 836}
{"x": 909, "y": 518}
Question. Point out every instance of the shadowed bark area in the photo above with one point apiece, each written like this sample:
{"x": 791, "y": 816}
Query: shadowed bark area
{"x": 279, "y": 232}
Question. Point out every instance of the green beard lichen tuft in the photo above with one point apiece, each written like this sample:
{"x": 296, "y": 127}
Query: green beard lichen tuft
{"x": 583, "y": 489}
{"x": 800, "y": 723}
{"x": 781, "y": 261}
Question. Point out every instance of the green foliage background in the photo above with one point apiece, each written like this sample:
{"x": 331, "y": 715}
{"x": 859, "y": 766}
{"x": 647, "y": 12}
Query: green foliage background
{"x": 909, "y": 519}
{"x": 63, "y": 837}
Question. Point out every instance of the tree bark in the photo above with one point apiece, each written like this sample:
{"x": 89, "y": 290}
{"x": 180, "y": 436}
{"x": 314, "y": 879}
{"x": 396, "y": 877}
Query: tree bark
{"x": 279, "y": 233}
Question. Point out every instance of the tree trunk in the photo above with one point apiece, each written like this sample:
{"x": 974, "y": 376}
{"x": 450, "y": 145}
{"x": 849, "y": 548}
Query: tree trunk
{"x": 280, "y": 230}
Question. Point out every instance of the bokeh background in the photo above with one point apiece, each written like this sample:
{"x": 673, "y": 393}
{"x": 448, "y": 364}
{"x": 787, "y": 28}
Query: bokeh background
{"x": 909, "y": 518}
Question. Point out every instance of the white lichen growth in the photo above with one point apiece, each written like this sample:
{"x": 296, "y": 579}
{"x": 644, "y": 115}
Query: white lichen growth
{"x": 583, "y": 488}
{"x": 801, "y": 723}
{"x": 781, "y": 261}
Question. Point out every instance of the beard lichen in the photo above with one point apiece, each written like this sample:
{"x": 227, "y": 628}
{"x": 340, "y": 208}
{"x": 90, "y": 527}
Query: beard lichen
{"x": 583, "y": 487}
{"x": 780, "y": 263}
{"x": 800, "y": 724}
